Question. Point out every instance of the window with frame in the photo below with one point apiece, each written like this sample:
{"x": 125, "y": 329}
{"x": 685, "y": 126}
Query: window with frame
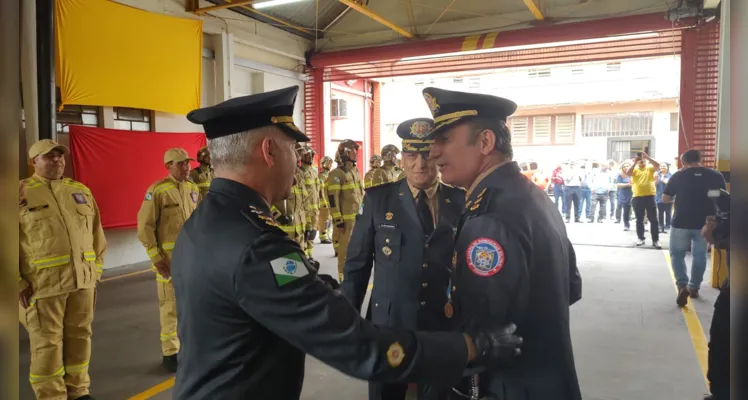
{"x": 542, "y": 130}
{"x": 75, "y": 115}
{"x": 674, "y": 121}
{"x": 617, "y": 125}
{"x": 133, "y": 119}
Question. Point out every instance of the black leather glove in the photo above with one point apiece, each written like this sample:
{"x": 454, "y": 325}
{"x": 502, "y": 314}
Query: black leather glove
{"x": 314, "y": 263}
{"x": 286, "y": 220}
{"x": 310, "y": 235}
{"x": 340, "y": 224}
{"x": 496, "y": 348}
{"x": 330, "y": 281}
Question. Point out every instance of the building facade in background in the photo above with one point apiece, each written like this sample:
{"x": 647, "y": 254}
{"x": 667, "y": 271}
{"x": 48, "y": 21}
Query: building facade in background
{"x": 594, "y": 111}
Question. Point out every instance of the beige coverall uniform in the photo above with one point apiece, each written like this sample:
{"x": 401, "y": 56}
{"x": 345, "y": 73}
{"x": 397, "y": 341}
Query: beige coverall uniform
{"x": 294, "y": 207}
{"x": 311, "y": 185}
{"x": 390, "y": 172}
{"x": 345, "y": 193}
{"x": 202, "y": 176}
{"x": 375, "y": 177}
{"x": 167, "y": 205}
{"x": 324, "y": 207}
{"x": 62, "y": 248}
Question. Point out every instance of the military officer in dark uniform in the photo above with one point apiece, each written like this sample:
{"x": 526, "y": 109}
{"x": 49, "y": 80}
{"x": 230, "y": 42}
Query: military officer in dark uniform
{"x": 406, "y": 228}
{"x": 249, "y": 302}
{"x": 513, "y": 260}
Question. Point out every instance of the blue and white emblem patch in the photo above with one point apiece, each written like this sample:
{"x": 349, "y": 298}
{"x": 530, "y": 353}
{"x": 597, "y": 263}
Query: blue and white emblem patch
{"x": 149, "y": 196}
{"x": 485, "y": 257}
{"x": 290, "y": 267}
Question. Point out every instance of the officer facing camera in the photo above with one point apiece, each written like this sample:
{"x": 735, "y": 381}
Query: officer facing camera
{"x": 716, "y": 231}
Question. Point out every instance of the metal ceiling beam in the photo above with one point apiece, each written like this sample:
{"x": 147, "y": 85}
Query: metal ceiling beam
{"x": 376, "y": 17}
{"x": 534, "y": 9}
{"x": 336, "y": 19}
{"x": 278, "y": 20}
{"x": 223, "y": 6}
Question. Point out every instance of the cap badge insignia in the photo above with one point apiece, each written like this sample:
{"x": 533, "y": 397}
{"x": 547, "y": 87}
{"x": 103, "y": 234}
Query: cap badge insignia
{"x": 431, "y": 102}
{"x": 395, "y": 355}
{"x": 388, "y": 216}
{"x": 420, "y": 129}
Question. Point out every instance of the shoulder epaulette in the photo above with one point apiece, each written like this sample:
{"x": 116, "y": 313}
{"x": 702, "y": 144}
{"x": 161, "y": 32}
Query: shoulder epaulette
{"x": 260, "y": 219}
{"x": 76, "y": 184}
{"x": 480, "y": 204}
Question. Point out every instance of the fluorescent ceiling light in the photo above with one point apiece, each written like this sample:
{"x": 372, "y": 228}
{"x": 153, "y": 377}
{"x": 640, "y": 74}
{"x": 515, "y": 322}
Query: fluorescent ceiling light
{"x": 273, "y": 3}
{"x": 534, "y": 46}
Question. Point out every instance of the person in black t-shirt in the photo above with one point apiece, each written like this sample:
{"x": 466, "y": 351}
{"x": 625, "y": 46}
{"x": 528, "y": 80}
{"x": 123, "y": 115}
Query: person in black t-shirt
{"x": 688, "y": 188}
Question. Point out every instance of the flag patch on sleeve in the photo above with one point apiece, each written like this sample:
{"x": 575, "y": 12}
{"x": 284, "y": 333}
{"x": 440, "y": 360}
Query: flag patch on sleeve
{"x": 288, "y": 268}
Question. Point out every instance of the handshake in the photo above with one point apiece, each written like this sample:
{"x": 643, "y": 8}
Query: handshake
{"x": 492, "y": 348}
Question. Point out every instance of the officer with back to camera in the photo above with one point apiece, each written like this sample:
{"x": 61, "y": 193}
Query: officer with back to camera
{"x": 407, "y": 229}
{"x": 249, "y": 303}
{"x": 513, "y": 260}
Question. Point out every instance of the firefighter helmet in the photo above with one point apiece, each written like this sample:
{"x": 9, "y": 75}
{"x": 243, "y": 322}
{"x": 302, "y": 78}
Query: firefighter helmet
{"x": 375, "y": 161}
{"x": 345, "y": 150}
{"x": 326, "y": 162}
{"x": 389, "y": 153}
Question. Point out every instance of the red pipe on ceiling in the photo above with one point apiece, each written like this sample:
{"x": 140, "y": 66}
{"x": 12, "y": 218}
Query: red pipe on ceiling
{"x": 542, "y": 34}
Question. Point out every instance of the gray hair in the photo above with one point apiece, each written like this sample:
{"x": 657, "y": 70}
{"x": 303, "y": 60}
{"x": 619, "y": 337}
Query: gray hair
{"x": 233, "y": 152}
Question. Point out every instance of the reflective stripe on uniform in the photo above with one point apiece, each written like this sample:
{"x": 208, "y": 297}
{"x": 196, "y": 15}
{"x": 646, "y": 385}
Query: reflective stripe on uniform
{"x": 167, "y": 246}
{"x": 89, "y": 256}
{"x": 164, "y": 338}
{"x": 43, "y": 378}
{"x": 336, "y": 214}
{"x": 333, "y": 187}
{"x": 76, "y": 369}
{"x": 51, "y": 262}
{"x": 203, "y": 184}
{"x": 162, "y": 187}
{"x": 349, "y": 217}
{"x": 153, "y": 252}
{"x": 351, "y": 186}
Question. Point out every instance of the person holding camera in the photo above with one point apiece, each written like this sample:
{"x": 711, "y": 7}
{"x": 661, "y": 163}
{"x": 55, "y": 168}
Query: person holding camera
{"x": 716, "y": 232}
{"x": 689, "y": 188}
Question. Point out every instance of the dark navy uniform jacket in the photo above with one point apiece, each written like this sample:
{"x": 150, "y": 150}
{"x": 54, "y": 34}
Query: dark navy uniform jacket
{"x": 411, "y": 270}
{"x": 515, "y": 263}
{"x": 250, "y": 306}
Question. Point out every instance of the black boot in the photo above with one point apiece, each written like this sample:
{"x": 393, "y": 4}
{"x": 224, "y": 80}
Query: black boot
{"x": 170, "y": 363}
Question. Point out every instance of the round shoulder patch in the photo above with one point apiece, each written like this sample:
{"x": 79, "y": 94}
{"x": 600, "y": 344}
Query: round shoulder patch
{"x": 485, "y": 257}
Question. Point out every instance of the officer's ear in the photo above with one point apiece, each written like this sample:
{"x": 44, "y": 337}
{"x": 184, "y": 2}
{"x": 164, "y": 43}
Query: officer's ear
{"x": 487, "y": 141}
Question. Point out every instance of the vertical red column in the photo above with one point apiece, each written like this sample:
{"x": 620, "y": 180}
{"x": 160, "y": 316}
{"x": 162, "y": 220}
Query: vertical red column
{"x": 699, "y": 91}
{"x": 376, "y": 118}
{"x": 314, "y": 108}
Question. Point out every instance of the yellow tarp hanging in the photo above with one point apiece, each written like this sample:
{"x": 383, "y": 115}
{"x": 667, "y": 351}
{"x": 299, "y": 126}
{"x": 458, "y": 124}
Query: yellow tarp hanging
{"x": 110, "y": 54}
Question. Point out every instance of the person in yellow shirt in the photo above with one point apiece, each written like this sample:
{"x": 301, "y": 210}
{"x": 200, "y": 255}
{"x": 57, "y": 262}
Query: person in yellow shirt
{"x": 642, "y": 173}
{"x": 62, "y": 248}
{"x": 167, "y": 205}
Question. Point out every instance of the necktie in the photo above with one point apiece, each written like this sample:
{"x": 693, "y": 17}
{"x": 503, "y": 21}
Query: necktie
{"x": 424, "y": 213}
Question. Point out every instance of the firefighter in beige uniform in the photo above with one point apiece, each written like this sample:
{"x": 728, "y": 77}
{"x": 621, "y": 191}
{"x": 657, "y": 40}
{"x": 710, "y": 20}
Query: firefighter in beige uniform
{"x": 167, "y": 205}
{"x": 62, "y": 248}
{"x": 390, "y": 166}
{"x": 290, "y": 214}
{"x": 345, "y": 193}
{"x": 203, "y": 174}
{"x": 323, "y": 221}
{"x": 375, "y": 176}
{"x": 311, "y": 185}
{"x": 335, "y": 231}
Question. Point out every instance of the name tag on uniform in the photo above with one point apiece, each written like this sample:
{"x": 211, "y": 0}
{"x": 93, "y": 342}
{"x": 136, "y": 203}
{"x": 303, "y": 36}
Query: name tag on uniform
{"x": 79, "y": 198}
{"x": 194, "y": 197}
{"x": 387, "y": 226}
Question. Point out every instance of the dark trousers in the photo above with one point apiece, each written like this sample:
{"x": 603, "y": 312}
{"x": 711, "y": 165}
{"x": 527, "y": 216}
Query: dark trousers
{"x": 559, "y": 192}
{"x": 586, "y": 195}
{"x": 601, "y": 201}
{"x": 612, "y": 196}
{"x": 665, "y": 214}
{"x": 573, "y": 195}
{"x": 642, "y": 205}
{"x": 718, "y": 362}
{"x": 625, "y": 209}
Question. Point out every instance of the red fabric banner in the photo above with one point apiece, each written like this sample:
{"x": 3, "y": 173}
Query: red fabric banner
{"x": 118, "y": 166}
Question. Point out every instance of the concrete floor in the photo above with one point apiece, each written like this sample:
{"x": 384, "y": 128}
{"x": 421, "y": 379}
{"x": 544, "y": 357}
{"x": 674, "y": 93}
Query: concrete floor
{"x": 630, "y": 339}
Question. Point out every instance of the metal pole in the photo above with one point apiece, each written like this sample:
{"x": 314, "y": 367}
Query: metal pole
{"x": 45, "y": 71}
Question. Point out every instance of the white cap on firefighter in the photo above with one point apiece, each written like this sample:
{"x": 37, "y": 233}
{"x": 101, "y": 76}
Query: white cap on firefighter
{"x": 44, "y": 146}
